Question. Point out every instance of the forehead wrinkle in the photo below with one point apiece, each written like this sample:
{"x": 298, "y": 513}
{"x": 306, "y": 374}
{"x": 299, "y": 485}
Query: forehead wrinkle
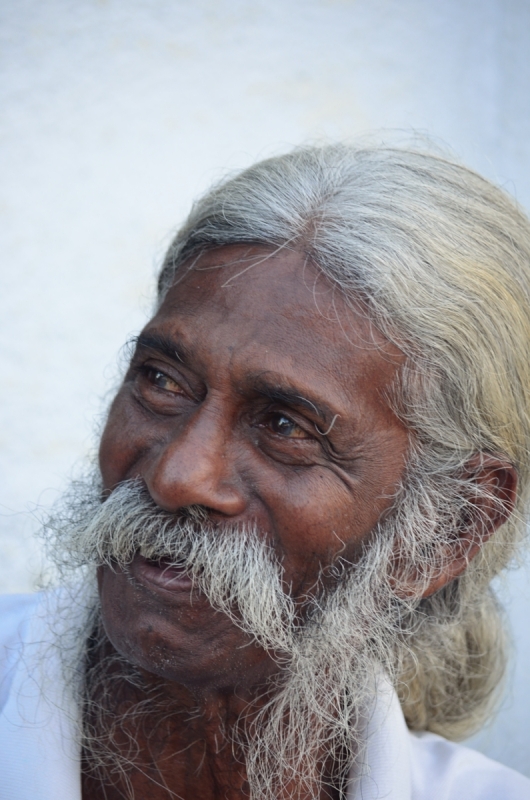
{"x": 325, "y": 343}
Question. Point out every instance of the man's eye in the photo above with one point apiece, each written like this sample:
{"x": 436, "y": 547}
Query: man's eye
{"x": 162, "y": 381}
{"x": 284, "y": 426}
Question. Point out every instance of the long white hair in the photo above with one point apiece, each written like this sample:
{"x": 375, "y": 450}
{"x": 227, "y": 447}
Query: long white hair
{"x": 442, "y": 259}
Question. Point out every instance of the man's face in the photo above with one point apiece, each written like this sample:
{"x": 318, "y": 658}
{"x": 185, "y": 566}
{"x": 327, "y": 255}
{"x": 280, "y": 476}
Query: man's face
{"x": 259, "y": 395}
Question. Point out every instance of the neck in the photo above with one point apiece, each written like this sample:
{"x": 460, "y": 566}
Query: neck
{"x": 149, "y": 737}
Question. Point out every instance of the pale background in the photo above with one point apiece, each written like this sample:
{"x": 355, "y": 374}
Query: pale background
{"x": 116, "y": 114}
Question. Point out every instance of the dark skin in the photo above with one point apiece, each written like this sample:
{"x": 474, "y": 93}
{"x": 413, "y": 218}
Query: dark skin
{"x": 261, "y": 396}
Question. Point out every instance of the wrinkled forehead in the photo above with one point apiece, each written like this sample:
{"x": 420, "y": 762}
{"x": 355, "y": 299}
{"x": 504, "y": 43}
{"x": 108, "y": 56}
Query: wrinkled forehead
{"x": 277, "y": 311}
{"x": 283, "y": 282}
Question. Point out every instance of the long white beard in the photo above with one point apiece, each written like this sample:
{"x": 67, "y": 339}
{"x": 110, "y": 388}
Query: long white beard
{"x": 330, "y": 658}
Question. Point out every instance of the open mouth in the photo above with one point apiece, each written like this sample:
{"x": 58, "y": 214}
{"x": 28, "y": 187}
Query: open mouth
{"x": 162, "y": 573}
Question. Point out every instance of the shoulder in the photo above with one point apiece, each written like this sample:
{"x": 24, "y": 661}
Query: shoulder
{"x": 16, "y": 612}
{"x": 14, "y": 607}
{"x": 39, "y": 714}
{"x": 443, "y": 770}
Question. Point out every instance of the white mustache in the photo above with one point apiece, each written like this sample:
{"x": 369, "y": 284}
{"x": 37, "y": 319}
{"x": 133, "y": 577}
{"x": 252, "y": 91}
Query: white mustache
{"x": 327, "y": 658}
{"x": 232, "y": 565}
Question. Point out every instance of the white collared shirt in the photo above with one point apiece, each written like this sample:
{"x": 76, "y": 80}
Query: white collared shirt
{"x": 39, "y": 750}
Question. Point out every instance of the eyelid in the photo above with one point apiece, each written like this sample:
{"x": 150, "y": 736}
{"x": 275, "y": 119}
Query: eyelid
{"x": 295, "y": 417}
{"x": 146, "y": 366}
{"x": 295, "y": 423}
{"x": 157, "y": 371}
{"x": 144, "y": 354}
{"x": 311, "y": 428}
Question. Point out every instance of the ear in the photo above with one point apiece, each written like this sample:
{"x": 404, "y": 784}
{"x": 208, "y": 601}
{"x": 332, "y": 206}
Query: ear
{"x": 490, "y": 510}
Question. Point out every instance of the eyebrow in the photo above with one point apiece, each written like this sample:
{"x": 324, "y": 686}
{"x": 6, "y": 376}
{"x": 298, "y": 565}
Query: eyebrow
{"x": 162, "y": 344}
{"x": 277, "y": 390}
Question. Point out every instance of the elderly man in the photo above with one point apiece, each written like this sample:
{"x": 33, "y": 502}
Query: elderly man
{"x": 316, "y": 463}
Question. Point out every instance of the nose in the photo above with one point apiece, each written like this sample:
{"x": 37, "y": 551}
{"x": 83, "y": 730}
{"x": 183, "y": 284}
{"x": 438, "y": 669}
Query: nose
{"x": 197, "y": 467}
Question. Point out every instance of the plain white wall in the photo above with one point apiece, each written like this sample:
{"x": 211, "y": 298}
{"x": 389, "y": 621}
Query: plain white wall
{"x": 115, "y": 114}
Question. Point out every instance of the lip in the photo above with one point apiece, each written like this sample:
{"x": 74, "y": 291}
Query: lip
{"x": 161, "y": 575}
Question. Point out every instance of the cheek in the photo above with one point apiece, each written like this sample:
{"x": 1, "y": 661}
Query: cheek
{"x": 318, "y": 514}
{"x": 121, "y": 444}
{"x": 313, "y": 516}
{"x": 114, "y": 609}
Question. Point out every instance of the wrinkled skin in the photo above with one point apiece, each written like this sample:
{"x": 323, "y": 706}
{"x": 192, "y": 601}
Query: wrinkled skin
{"x": 262, "y": 397}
